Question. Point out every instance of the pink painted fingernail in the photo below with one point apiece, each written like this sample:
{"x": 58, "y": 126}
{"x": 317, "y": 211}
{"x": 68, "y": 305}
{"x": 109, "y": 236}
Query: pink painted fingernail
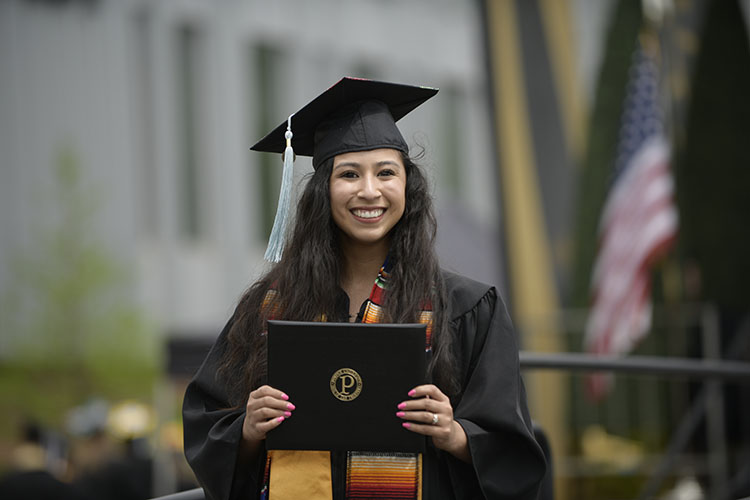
{"x": 400, "y": 414}
{"x": 280, "y": 419}
{"x": 402, "y": 406}
{"x": 287, "y": 414}
{"x": 412, "y": 392}
{"x": 406, "y": 425}
{"x": 284, "y": 397}
{"x": 290, "y": 406}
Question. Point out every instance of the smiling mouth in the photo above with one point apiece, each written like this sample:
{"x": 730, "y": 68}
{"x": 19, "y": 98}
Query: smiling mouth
{"x": 368, "y": 214}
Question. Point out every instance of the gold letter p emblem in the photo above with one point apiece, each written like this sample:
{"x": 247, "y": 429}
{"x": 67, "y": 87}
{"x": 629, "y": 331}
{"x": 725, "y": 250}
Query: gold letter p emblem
{"x": 346, "y": 384}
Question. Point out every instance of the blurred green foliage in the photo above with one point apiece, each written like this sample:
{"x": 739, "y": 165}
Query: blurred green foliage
{"x": 713, "y": 178}
{"x": 72, "y": 328}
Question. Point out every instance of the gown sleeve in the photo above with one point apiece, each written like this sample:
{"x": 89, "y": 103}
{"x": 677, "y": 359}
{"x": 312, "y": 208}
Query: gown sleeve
{"x": 507, "y": 462}
{"x": 212, "y": 433}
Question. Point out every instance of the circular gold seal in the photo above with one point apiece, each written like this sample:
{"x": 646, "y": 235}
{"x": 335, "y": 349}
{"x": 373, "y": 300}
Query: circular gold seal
{"x": 346, "y": 384}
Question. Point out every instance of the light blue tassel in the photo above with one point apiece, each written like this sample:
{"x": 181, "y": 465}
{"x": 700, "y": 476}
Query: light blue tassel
{"x": 278, "y": 233}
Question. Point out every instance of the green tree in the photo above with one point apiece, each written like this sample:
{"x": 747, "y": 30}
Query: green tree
{"x": 73, "y": 331}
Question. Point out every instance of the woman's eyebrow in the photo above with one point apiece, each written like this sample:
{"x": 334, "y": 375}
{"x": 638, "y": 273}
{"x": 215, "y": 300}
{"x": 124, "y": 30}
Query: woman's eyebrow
{"x": 346, "y": 164}
{"x": 354, "y": 164}
{"x": 388, "y": 162}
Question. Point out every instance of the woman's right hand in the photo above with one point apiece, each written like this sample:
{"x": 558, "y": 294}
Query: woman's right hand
{"x": 266, "y": 408}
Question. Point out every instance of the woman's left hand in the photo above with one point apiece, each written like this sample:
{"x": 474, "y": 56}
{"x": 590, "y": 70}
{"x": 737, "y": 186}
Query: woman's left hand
{"x": 430, "y": 413}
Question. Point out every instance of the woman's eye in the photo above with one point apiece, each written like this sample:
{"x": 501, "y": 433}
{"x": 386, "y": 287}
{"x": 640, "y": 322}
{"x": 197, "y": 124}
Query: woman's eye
{"x": 349, "y": 174}
{"x": 386, "y": 172}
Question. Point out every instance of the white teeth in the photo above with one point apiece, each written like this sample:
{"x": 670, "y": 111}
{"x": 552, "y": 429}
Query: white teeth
{"x": 368, "y": 214}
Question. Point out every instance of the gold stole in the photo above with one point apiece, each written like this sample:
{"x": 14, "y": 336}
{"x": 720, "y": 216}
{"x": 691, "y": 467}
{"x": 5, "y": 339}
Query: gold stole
{"x": 300, "y": 474}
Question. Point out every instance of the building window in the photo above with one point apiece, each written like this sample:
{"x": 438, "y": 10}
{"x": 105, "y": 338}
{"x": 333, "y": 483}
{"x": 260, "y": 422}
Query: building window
{"x": 365, "y": 70}
{"x": 143, "y": 97}
{"x": 265, "y": 68}
{"x": 452, "y": 143}
{"x": 188, "y": 133}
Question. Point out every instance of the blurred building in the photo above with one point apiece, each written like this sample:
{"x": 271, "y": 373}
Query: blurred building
{"x": 159, "y": 102}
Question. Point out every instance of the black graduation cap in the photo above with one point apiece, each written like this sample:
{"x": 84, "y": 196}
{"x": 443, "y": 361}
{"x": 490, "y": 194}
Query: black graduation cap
{"x": 353, "y": 115}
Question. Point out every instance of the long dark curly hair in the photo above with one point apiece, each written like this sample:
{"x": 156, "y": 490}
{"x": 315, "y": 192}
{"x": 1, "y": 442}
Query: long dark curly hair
{"x": 307, "y": 281}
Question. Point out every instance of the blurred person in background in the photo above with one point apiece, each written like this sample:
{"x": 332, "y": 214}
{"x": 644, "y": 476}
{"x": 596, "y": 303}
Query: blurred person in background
{"x": 114, "y": 458}
{"x": 30, "y": 476}
{"x": 125, "y": 476}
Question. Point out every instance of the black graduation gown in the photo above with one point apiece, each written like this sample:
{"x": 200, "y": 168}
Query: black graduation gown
{"x": 507, "y": 462}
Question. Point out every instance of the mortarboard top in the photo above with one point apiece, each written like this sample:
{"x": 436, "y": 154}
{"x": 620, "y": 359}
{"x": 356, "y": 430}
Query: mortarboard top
{"x": 353, "y": 115}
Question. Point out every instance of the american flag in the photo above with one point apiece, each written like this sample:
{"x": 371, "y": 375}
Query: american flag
{"x": 637, "y": 226}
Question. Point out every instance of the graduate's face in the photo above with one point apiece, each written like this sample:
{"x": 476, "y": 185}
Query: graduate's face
{"x": 368, "y": 194}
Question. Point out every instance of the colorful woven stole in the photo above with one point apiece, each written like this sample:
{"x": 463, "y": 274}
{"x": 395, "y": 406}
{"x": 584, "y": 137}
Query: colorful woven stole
{"x": 382, "y": 476}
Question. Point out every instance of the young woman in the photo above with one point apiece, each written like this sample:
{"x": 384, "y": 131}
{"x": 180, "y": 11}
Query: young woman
{"x": 362, "y": 250}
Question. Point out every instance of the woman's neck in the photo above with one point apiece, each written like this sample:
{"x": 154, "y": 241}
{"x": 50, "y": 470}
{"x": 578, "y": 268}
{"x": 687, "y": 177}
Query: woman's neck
{"x": 361, "y": 264}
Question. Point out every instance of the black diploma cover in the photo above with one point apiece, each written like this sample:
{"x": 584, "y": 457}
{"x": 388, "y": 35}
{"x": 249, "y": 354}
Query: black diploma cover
{"x": 346, "y": 380}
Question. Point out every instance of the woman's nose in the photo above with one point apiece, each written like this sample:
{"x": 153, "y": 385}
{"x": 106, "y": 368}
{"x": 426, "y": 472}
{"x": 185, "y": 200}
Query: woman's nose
{"x": 370, "y": 187}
